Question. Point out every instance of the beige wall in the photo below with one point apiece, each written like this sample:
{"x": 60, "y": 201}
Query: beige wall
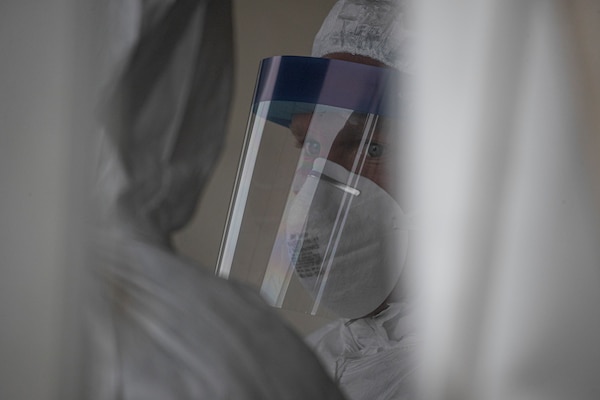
{"x": 264, "y": 28}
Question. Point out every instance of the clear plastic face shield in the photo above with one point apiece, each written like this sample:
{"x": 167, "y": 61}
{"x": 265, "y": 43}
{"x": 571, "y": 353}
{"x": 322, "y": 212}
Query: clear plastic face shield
{"x": 315, "y": 222}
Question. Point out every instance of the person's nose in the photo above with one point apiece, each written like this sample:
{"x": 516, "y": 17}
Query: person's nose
{"x": 341, "y": 157}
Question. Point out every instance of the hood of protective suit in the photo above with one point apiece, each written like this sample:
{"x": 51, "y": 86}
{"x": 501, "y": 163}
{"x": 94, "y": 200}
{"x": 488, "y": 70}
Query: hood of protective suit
{"x": 372, "y": 28}
{"x": 155, "y": 325}
{"x": 162, "y": 127}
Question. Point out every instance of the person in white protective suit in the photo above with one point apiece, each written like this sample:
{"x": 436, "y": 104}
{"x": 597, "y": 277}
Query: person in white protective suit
{"x": 158, "y": 326}
{"x": 370, "y": 357}
{"x": 319, "y": 220}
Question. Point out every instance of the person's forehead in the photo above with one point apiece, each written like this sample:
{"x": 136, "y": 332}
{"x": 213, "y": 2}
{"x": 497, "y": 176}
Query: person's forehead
{"x": 321, "y": 121}
{"x": 357, "y": 58}
{"x": 334, "y": 122}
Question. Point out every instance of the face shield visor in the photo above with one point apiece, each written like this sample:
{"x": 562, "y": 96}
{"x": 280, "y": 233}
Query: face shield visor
{"x": 315, "y": 222}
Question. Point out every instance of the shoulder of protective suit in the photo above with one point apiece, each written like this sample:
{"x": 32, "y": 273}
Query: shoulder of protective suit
{"x": 164, "y": 328}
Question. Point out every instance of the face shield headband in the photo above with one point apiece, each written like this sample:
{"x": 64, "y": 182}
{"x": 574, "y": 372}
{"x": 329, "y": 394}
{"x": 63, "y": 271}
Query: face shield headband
{"x": 315, "y": 222}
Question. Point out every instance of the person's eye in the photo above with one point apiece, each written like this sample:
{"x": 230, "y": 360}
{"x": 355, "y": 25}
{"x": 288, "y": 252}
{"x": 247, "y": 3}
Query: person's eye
{"x": 375, "y": 150}
{"x": 312, "y": 148}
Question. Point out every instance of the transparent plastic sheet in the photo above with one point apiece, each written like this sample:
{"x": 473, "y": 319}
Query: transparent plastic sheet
{"x": 315, "y": 222}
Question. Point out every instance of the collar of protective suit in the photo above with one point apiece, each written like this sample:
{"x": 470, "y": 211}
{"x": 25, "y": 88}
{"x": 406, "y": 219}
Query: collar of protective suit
{"x": 370, "y": 358}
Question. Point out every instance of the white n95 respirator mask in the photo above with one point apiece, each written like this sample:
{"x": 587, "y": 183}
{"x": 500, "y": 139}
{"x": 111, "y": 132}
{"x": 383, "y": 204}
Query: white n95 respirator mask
{"x": 346, "y": 240}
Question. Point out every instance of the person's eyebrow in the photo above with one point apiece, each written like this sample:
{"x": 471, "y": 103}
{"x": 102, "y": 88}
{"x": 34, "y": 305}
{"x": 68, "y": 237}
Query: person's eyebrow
{"x": 351, "y": 132}
{"x": 299, "y": 135}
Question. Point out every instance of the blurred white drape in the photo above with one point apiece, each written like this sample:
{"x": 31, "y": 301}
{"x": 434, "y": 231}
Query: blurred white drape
{"x": 509, "y": 256}
{"x": 45, "y": 108}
